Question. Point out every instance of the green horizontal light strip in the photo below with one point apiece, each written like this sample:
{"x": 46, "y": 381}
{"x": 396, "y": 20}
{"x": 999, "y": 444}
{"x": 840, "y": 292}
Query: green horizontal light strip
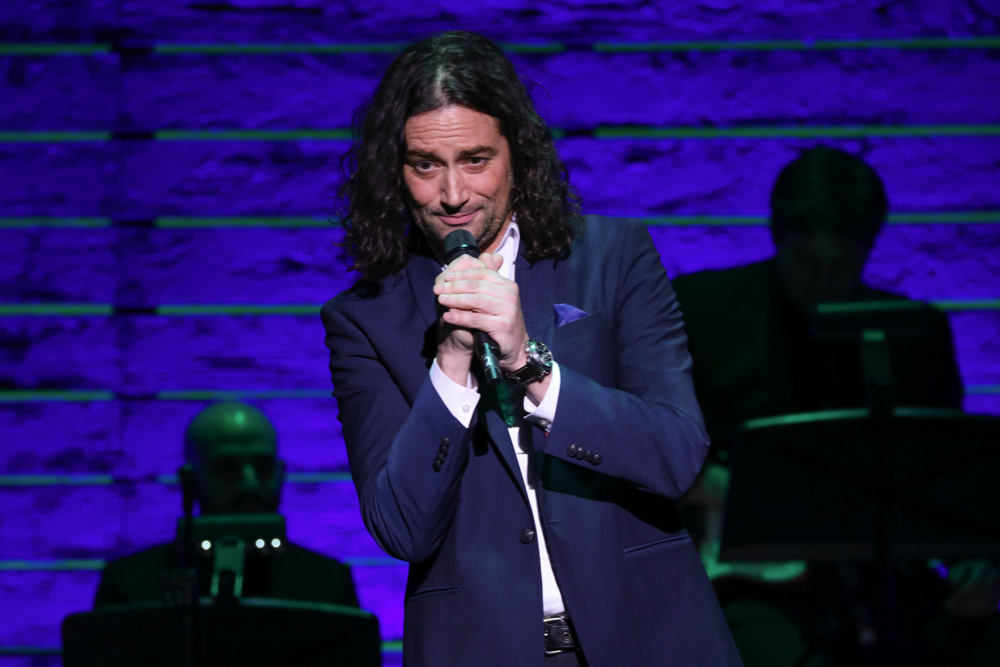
{"x": 54, "y": 137}
{"x": 39, "y": 49}
{"x": 323, "y": 222}
{"x": 54, "y": 396}
{"x": 902, "y": 218}
{"x": 56, "y": 309}
{"x": 33, "y": 222}
{"x": 240, "y": 394}
{"x": 373, "y": 561}
{"x": 704, "y": 220}
{"x": 908, "y": 218}
{"x": 295, "y": 309}
{"x": 387, "y": 647}
{"x": 603, "y": 132}
{"x": 97, "y": 564}
{"x": 945, "y": 217}
{"x": 800, "y": 45}
{"x": 56, "y": 480}
{"x": 79, "y": 565}
{"x": 30, "y": 396}
{"x": 292, "y": 477}
{"x": 807, "y": 132}
{"x": 330, "y": 48}
{"x": 174, "y": 310}
{"x": 318, "y": 477}
{"x": 278, "y": 222}
{"x": 30, "y": 650}
{"x": 339, "y": 477}
{"x": 914, "y": 43}
{"x": 964, "y": 305}
{"x": 334, "y": 134}
{"x": 278, "y": 48}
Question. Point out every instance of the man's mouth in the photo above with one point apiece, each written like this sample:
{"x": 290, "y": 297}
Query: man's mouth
{"x": 458, "y": 220}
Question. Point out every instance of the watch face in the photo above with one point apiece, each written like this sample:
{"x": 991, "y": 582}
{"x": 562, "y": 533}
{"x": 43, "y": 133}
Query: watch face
{"x": 540, "y": 354}
{"x": 539, "y": 364}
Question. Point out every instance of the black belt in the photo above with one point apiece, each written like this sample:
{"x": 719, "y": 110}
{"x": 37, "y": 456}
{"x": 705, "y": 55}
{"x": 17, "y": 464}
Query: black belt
{"x": 559, "y": 637}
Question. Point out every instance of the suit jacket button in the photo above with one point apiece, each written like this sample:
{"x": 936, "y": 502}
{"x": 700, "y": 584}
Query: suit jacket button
{"x": 437, "y": 466}
{"x": 588, "y": 456}
{"x": 571, "y": 450}
{"x": 527, "y": 535}
{"x": 445, "y": 444}
{"x": 596, "y": 461}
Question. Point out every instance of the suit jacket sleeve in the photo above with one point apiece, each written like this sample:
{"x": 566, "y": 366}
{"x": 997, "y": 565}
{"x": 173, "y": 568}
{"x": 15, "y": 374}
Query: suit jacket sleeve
{"x": 643, "y": 422}
{"x": 406, "y": 503}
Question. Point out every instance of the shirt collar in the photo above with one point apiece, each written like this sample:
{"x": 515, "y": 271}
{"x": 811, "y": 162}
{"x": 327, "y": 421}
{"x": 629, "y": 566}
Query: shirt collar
{"x": 508, "y": 249}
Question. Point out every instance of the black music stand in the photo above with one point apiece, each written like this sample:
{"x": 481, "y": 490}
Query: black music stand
{"x": 879, "y": 483}
{"x": 840, "y": 486}
{"x": 257, "y": 632}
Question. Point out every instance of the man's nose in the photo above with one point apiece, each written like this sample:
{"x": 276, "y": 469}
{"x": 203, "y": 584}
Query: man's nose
{"x": 453, "y": 193}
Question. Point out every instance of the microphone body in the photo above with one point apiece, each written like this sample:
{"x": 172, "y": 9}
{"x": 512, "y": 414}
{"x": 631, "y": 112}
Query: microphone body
{"x": 457, "y": 243}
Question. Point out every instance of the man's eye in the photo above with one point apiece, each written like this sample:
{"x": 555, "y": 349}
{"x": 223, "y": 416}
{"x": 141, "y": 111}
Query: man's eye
{"x": 423, "y": 166}
{"x": 478, "y": 161}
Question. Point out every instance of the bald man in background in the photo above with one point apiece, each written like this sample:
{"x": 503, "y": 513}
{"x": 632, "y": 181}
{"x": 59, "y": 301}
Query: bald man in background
{"x": 232, "y": 450}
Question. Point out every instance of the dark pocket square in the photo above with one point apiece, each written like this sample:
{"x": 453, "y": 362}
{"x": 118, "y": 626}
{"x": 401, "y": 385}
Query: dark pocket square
{"x": 566, "y": 313}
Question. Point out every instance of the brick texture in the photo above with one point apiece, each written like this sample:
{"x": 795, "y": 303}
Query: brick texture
{"x": 135, "y": 91}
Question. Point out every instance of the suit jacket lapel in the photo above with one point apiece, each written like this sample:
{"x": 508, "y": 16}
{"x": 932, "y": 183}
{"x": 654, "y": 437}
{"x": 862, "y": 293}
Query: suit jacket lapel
{"x": 538, "y": 285}
{"x": 420, "y": 273}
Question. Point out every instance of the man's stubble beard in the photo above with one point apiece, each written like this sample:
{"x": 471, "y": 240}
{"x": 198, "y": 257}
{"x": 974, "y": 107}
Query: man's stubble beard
{"x": 488, "y": 232}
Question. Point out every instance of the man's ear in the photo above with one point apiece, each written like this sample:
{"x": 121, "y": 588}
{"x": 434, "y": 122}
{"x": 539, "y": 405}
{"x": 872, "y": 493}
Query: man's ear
{"x": 189, "y": 487}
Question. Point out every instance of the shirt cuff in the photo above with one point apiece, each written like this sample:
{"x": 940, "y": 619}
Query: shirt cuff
{"x": 545, "y": 412}
{"x": 460, "y": 401}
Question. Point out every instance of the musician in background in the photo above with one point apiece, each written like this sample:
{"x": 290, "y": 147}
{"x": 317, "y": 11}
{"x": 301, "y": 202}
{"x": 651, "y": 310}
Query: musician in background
{"x": 748, "y": 333}
{"x": 232, "y": 451}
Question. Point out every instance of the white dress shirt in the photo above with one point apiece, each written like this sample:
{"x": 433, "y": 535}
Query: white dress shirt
{"x": 462, "y": 402}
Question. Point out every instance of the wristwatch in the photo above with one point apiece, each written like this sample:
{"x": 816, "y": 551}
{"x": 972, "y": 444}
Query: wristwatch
{"x": 539, "y": 365}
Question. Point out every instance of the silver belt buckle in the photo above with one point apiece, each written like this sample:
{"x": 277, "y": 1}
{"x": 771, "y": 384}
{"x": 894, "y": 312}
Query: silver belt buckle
{"x": 557, "y": 617}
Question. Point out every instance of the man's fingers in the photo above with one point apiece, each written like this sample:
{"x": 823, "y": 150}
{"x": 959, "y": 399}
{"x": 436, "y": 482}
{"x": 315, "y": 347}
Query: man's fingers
{"x": 470, "y": 320}
{"x": 481, "y": 274}
{"x": 494, "y": 262}
{"x": 470, "y": 302}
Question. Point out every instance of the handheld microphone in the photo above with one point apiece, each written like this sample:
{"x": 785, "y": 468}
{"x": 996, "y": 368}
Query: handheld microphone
{"x": 457, "y": 243}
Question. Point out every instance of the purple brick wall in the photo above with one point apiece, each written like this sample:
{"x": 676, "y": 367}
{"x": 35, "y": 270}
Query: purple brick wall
{"x": 135, "y": 437}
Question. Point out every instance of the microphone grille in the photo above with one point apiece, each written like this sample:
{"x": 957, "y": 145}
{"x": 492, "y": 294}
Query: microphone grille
{"x": 459, "y": 242}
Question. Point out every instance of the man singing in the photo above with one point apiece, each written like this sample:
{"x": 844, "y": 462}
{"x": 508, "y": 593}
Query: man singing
{"x": 537, "y": 514}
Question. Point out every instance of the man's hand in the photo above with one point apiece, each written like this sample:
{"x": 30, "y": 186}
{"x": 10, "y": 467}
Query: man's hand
{"x": 477, "y": 297}
{"x": 976, "y": 586}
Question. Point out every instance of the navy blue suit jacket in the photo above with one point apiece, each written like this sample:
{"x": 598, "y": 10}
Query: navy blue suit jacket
{"x": 629, "y": 575}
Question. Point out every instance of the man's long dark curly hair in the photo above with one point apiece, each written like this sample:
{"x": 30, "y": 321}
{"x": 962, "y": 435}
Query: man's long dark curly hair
{"x": 467, "y": 70}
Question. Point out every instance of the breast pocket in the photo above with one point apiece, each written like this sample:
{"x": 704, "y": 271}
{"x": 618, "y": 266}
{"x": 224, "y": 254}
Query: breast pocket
{"x": 588, "y": 347}
{"x": 580, "y": 327}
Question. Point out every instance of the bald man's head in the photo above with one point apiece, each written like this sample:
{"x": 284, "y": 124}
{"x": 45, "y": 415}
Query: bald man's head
{"x": 233, "y": 450}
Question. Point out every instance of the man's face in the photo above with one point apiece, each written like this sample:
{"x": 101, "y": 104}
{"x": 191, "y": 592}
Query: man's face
{"x": 458, "y": 173}
{"x": 819, "y": 267}
{"x": 238, "y": 477}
